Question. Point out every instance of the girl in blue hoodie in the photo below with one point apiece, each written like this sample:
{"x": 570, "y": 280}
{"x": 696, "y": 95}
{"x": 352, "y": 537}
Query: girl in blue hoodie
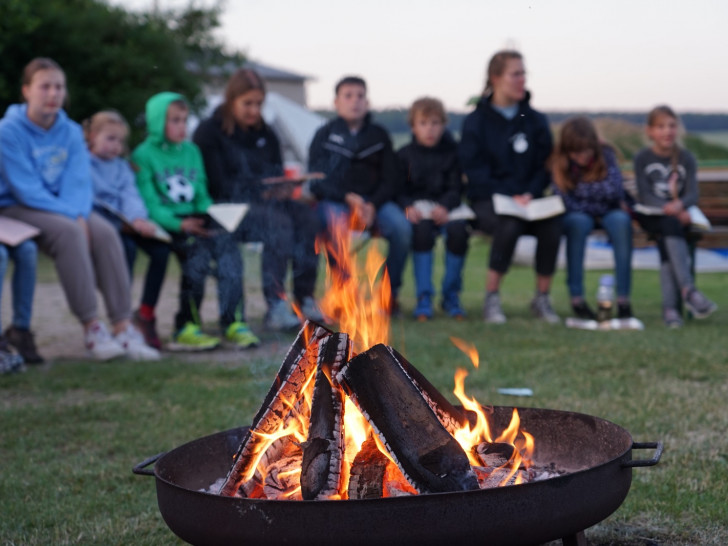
{"x": 45, "y": 181}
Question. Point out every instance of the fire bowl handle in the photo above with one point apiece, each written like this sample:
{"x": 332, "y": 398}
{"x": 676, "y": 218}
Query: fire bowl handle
{"x": 657, "y": 446}
{"x": 140, "y": 469}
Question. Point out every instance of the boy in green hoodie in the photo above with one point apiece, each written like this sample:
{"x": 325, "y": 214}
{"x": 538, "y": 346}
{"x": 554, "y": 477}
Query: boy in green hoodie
{"x": 172, "y": 182}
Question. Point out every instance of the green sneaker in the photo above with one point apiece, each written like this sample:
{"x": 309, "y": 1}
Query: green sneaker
{"x": 191, "y": 338}
{"x": 240, "y": 334}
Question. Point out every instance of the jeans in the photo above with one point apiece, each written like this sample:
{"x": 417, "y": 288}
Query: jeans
{"x": 577, "y": 227}
{"x": 25, "y": 256}
{"x": 158, "y": 252}
{"x": 390, "y": 223}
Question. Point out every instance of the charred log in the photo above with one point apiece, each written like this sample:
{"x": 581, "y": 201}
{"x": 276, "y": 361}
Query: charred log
{"x": 368, "y": 472}
{"x": 451, "y": 417}
{"x": 323, "y": 450}
{"x": 494, "y": 455}
{"x": 429, "y": 457}
{"x": 296, "y": 371}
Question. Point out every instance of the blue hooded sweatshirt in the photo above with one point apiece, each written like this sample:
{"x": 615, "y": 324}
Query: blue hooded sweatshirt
{"x": 44, "y": 169}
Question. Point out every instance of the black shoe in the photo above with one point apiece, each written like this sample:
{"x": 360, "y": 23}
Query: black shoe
{"x": 24, "y": 342}
{"x": 624, "y": 310}
{"x": 394, "y": 310}
{"x": 583, "y": 311}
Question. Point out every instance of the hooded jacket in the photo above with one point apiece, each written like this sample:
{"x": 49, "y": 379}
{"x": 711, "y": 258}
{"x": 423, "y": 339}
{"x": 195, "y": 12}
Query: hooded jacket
{"x": 237, "y": 163}
{"x": 507, "y": 156}
{"x": 362, "y": 163}
{"x": 430, "y": 173}
{"x": 115, "y": 187}
{"x": 170, "y": 176}
{"x": 44, "y": 169}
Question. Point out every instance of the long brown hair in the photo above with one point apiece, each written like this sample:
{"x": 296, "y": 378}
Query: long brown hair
{"x": 577, "y": 134}
{"x": 240, "y": 82}
{"x": 497, "y": 66}
{"x": 653, "y": 116}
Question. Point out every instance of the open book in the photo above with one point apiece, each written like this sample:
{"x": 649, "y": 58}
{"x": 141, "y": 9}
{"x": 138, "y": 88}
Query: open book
{"x": 13, "y": 232}
{"x": 698, "y": 220}
{"x": 463, "y": 212}
{"x": 228, "y": 215}
{"x": 159, "y": 232}
{"x": 537, "y": 209}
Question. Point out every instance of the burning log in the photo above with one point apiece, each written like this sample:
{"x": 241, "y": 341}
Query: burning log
{"x": 368, "y": 472}
{"x": 296, "y": 371}
{"x": 450, "y": 417}
{"x": 283, "y": 476}
{"x": 323, "y": 450}
{"x": 426, "y": 453}
{"x": 494, "y": 455}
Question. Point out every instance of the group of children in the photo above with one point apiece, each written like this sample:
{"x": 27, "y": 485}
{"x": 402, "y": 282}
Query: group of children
{"x": 93, "y": 211}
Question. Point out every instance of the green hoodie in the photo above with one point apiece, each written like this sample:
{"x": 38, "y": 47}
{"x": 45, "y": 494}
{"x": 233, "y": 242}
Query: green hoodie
{"x": 170, "y": 177}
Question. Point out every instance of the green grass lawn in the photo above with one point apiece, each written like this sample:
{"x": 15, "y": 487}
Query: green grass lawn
{"x": 71, "y": 432}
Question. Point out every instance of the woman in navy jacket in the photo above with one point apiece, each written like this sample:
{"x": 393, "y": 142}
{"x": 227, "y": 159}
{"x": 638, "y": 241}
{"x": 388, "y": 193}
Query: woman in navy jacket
{"x": 504, "y": 147}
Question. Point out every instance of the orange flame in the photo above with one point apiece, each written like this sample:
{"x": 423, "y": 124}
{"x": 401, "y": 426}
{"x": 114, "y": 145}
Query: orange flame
{"x": 468, "y": 348}
{"x": 357, "y": 296}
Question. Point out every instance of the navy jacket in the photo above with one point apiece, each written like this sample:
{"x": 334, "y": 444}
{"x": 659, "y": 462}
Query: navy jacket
{"x": 505, "y": 156}
{"x": 363, "y": 163}
{"x": 235, "y": 164}
{"x": 432, "y": 174}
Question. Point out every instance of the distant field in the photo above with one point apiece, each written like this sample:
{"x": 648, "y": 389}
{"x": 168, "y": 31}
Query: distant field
{"x": 714, "y": 137}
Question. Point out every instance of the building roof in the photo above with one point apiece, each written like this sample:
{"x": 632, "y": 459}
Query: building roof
{"x": 270, "y": 73}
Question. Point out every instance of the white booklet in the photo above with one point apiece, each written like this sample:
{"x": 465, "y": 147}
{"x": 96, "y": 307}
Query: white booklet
{"x": 537, "y": 209}
{"x": 228, "y": 215}
{"x": 13, "y": 232}
{"x": 462, "y": 212}
{"x": 698, "y": 220}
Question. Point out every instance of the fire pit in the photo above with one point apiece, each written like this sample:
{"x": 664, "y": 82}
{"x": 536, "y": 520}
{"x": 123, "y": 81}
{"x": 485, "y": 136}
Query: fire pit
{"x": 596, "y": 453}
{"x": 352, "y": 445}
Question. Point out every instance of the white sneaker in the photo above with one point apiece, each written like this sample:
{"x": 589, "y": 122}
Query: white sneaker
{"x": 133, "y": 345}
{"x": 99, "y": 343}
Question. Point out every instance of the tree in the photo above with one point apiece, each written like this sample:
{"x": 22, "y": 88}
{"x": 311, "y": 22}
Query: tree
{"x": 112, "y": 58}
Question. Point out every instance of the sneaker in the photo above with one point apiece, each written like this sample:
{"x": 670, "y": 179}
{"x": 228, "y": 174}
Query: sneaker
{"x": 700, "y": 306}
{"x": 624, "y": 310}
{"x": 24, "y": 342}
{"x": 134, "y": 346}
{"x": 240, "y": 335}
{"x": 541, "y": 308}
{"x": 281, "y": 318}
{"x": 453, "y": 308}
{"x": 492, "y": 311}
{"x": 311, "y": 310}
{"x": 583, "y": 311}
{"x": 99, "y": 343}
{"x": 148, "y": 329}
{"x": 191, "y": 338}
{"x": 672, "y": 318}
{"x": 9, "y": 361}
{"x": 423, "y": 309}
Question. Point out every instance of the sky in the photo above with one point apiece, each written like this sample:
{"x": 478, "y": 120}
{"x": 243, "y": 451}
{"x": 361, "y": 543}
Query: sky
{"x": 616, "y": 55}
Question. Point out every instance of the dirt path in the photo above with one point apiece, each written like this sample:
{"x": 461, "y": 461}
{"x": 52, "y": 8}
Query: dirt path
{"x": 59, "y": 336}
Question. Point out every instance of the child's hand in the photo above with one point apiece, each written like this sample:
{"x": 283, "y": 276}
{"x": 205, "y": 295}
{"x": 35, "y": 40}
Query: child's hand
{"x": 354, "y": 200}
{"x": 439, "y": 215}
{"x": 673, "y": 208}
{"x": 368, "y": 214}
{"x": 144, "y": 227}
{"x": 195, "y": 226}
{"x": 413, "y": 215}
{"x": 523, "y": 199}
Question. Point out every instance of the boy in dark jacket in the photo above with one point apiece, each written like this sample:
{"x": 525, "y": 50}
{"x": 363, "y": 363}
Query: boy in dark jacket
{"x": 361, "y": 175}
{"x": 432, "y": 187}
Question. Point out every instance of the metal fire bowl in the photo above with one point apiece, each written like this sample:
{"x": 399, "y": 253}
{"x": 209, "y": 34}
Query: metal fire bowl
{"x": 596, "y": 453}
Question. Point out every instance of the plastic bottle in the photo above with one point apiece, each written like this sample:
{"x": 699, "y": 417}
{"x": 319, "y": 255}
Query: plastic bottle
{"x": 605, "y": 298}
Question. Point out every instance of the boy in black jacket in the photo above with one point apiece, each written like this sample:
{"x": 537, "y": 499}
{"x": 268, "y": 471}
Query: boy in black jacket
{"x": 361, "y": 175}
{"x": 432, "y": 187}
